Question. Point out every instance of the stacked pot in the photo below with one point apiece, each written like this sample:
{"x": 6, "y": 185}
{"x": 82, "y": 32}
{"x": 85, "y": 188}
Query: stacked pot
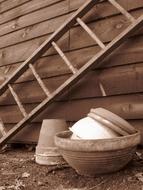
{"x": 101, "y": 124}
{"x": 100, "y": 143}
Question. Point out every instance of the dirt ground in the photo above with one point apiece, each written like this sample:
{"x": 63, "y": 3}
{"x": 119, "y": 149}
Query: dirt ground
{"x": 18, "y": 171}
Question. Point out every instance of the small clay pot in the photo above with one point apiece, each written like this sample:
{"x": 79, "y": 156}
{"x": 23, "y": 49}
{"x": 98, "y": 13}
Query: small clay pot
{"x": 46, "y": 151}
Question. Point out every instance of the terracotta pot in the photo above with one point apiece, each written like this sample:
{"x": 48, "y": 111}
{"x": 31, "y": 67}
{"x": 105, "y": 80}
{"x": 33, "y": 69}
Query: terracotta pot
{"x": 46, "y": 151}
{"x": 114, "y": 119}
{"x": 92, "y": 157}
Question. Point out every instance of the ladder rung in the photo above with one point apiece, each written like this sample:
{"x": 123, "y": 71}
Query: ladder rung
{"x": 2, "y": 128}
{"x": 122, "y": 10}
{"x": 102, "y": 89}
{"x": 62, "y": 55}
{"x": 89, "y": 31}
{"x": 39, "y": 80}
{"x": 17, "y": 101}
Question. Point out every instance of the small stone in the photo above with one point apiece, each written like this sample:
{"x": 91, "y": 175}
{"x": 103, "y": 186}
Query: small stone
{"x": 33, "y": 159}
{"x": 25, "y": 175}
{"x": 139, "y": 176}
{"x": 40, "y": 183}
{"x": 21, "y": 160}
{"x": 130, "y": 179}
{"x": 34, "y": 179}
{"x": 139, "y": 155}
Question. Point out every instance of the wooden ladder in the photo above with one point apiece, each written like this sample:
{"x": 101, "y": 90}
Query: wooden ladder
{"x": 77, "y": 73}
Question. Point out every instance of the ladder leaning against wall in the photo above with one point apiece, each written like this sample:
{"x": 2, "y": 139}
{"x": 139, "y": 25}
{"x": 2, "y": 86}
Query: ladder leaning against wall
{"x": 95, "y": 61}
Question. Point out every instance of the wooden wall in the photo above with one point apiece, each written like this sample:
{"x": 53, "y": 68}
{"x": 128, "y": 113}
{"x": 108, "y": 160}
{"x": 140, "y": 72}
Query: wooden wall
{"x": 25, "y": 24}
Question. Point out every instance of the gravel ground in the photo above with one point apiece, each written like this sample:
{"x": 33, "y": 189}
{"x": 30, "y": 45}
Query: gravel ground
{"x": 18, "y": 171}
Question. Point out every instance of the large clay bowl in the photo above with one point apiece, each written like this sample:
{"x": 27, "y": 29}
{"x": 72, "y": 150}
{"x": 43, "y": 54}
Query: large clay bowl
{"x": 92, "y": 157}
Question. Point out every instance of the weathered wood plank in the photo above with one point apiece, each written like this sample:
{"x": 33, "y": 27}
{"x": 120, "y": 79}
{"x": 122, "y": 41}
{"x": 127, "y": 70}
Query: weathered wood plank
{"x": 116, "y": 25}
{"x": 35, "y": 4}
{"x": 1, "y": 1}
{"x": 31, "y": 92}
{"x": 25, "y": 34}
{"x": 95, "y": 14}
{"x": 29, "y": 134}
{"x": 127, "y": 106}
{"x": 43, "y": 9}
{"x": 9, "y": 4}
{"x": 28, "y": 33}
{"x": 33, "y": 17}
{"x": 115, "y": 81}
{"x": 130, "y": 52}
{"x": 14, "y": 26}
{"x": 127, "y": 4}
{"x": 25, "y": 49}
{"x": 22, "y": 51}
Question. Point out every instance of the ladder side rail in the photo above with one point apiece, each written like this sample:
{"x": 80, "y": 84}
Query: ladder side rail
{"x": 47, "y": 44}
{"x": 74, "y": 78}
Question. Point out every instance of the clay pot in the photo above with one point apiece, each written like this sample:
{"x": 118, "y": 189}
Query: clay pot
{"x": 46, "y": 151}
{"x": 113, "y": 119}
{"x": 92, "y": 157}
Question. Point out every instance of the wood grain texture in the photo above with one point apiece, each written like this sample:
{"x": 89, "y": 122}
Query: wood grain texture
{"x": 27, "y": 47}
{"x": 49, "y": 26}
{"x": 29, "y": 7}
{"x": 29, "y": 134}
{"x": 129, "y": 53}
{"x": 22, "y": 51}
{"x": 32, "y": 18}
{"x": 117, "y": 76}
{"x": 115, "y": 81}
{"x": 127, "y": 106}
{"x": 27, "y": 32}
{"x": 127, "y": 4}
{"x": 10, "y": 4}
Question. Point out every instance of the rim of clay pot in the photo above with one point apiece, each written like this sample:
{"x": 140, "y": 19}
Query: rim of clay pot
{"x": 57, "y": 119}
{"x": 63, "y": 141}
{"x": 114, "y": 118}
